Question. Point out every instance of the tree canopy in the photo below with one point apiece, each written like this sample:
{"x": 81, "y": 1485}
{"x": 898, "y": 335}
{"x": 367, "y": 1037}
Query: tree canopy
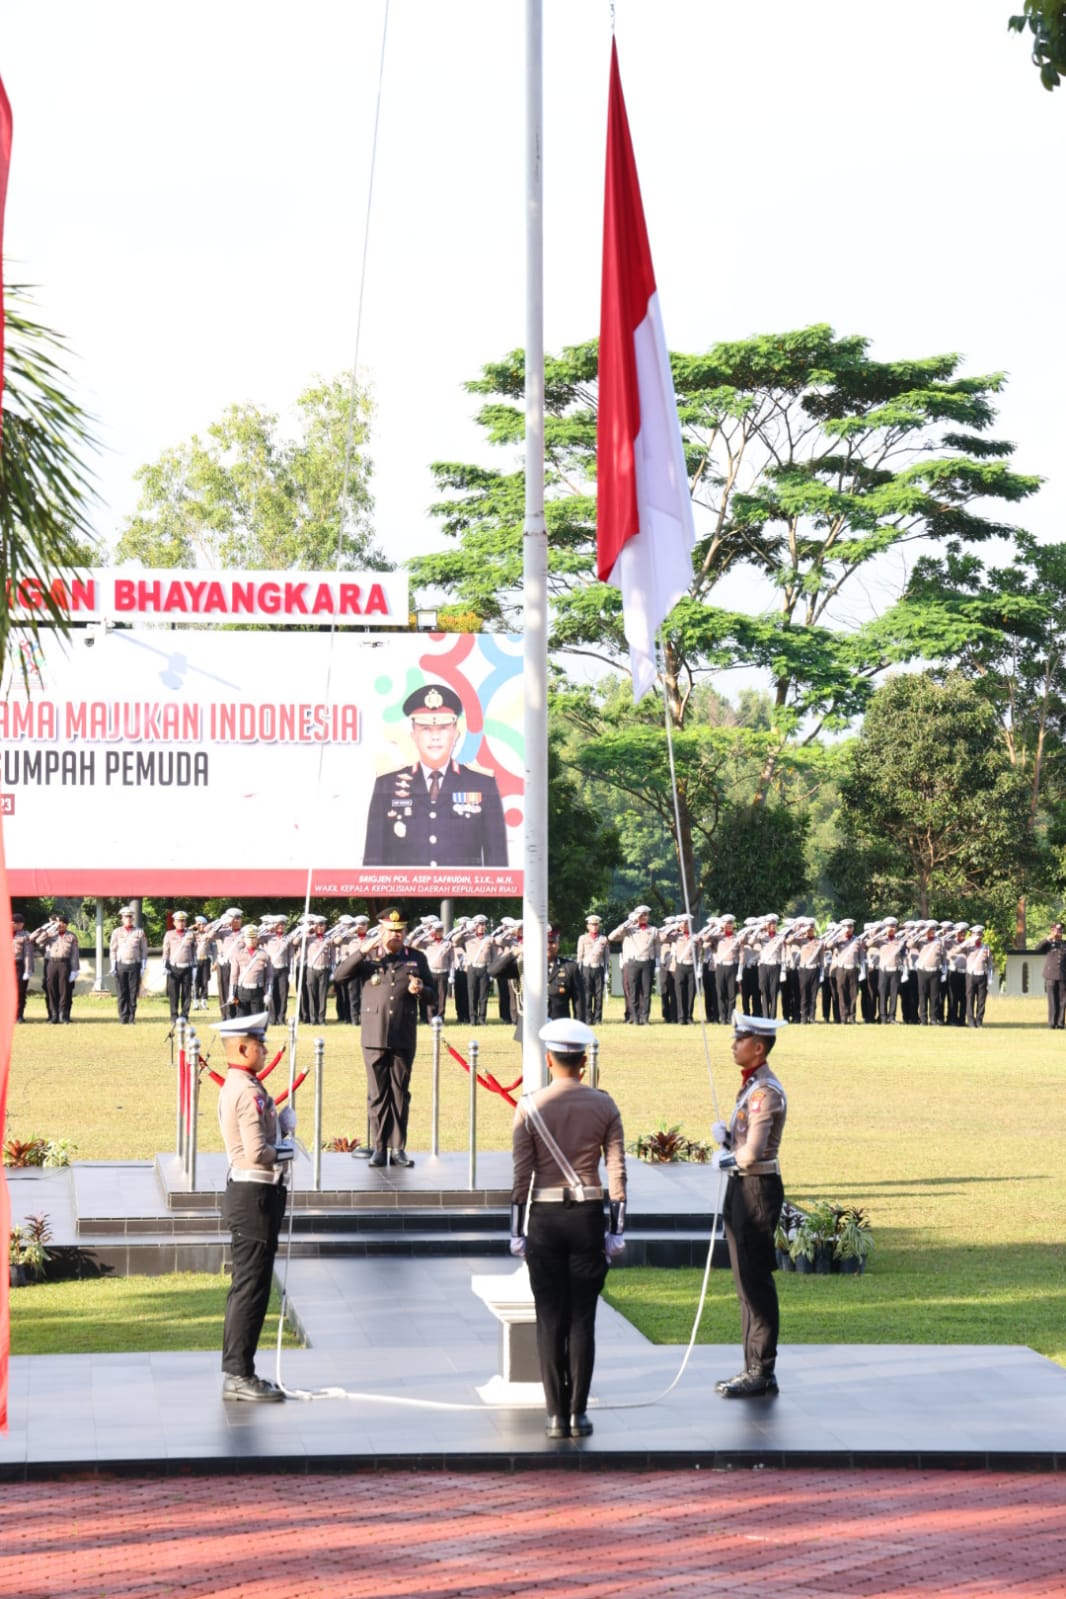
{"x": 1046, "y": 21}
{"x": 249, "y": 496}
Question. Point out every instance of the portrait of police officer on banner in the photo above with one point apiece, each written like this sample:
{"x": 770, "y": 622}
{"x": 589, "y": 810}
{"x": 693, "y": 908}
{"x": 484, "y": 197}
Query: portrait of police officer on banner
{"x": 435, "y": 812}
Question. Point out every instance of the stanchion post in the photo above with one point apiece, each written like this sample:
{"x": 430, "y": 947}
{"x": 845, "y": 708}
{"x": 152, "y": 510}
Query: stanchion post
{"x": 434, "y": 1137}
{"x": 194, "y": 1105}
{"x": 473, "y": 1112}
{"x": 316, "y": 1157}
{"x": 179, "y": 1033}
{"x": 594, "y": 1065}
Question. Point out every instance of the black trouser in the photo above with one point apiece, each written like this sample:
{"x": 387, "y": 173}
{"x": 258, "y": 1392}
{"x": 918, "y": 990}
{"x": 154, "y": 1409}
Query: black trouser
{"x": 278, "y": 995}
{"x": 179, "y": 991}
{"x": 888, "y": 993}
{"x": 751, "y": 1211}
{"x": 388, "y": 1096}
{"x": 928, "y": 996}
{"x": 316, "y": 992}
{"x": 253, "y": 1212}
{"x": 592, "y": 994}
{"x": 461, "y": 991}
{"x": 684, "y": 993}
{"x": 59, "y": 989}
{"x": 809, "y": 978}
{"x": 249, "y": 1001}
{"x": 23, "y": 986}
{"x": 908, "y": 996}
{"x": 1056, "y": 1001}
{"x": 641, "y": 978}
{"x": 749, "y": 991}
{"x": 223, "y": 990}
{"x": 846, "y": 983}
{"x": 976, "y": 994}
{"x": 203, "y": 980}
{"x": 477, "y": 981}
{"x": 440, "y": 986}
{"x": 790, "y": 995}
{"x": 725, "y": 980}
{"x": 769, "y": 984}
{"x": 127, "y": 987}
{"x": 355, "y": 1001}
{"x": 956, "y": 998}
{"x": 567, "y": 1268}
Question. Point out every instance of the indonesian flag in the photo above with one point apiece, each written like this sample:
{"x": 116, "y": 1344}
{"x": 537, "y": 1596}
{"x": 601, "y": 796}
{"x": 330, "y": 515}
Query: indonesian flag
{"x": 644, "y": 528}
{"x": 7, "y": 966}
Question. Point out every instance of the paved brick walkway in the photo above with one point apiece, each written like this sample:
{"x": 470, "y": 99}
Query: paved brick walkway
{"x": 546, "y": 1534}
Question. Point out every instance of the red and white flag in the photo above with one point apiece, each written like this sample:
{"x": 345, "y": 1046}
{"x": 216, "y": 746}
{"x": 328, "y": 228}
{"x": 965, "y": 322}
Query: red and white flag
{"x": 7, "y": 969}
{"x": 644, "y": 528}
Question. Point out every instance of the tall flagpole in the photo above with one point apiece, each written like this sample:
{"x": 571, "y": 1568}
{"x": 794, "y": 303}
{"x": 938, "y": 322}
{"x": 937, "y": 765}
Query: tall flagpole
{"x": 535, "y": 581}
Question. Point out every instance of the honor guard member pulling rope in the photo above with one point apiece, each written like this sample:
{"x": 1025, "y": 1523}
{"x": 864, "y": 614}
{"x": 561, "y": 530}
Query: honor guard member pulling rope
{"x": 394, "y": 976}
{"x": 753, "y": 1199}
{"x": 254, "y": 1202}
{"x": 436, "y": 812}
{"x": 557, "y": 1217}
{"x": 129, "y": 957}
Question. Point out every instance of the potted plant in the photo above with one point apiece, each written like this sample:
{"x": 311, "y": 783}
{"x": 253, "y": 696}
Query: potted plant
{"x": 854, "y": 1241}
{"x": 803, "y": 1245}
{"x": 823, "y": 1219}
{"x": 28, "y": 1252}
{"x": 785, "y": 1231}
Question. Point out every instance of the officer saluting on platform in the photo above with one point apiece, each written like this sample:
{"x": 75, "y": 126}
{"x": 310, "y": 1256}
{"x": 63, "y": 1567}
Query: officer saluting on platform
{"x": 254, "y": 1202}
{"x": 436, "y": 812}
{"x": 557, "y": 1221}
{"x": 753, "y": 1200}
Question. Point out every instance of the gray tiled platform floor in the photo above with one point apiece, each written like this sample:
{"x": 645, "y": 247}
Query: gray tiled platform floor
{"x": 414, "y": 1330}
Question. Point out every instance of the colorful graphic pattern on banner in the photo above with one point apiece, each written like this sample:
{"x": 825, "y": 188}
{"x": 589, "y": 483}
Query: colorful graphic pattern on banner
{"x": 196, "y": 762}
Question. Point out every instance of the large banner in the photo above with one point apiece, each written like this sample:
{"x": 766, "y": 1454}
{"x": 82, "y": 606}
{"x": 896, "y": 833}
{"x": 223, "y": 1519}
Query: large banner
{"x": 236, "y": 763}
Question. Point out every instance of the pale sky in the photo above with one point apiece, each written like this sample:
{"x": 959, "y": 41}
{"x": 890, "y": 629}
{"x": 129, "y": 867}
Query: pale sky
{"x": 189, "y": 189}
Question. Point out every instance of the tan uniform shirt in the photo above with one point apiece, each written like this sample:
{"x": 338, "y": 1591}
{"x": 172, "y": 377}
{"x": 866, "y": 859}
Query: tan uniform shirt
{"x": 592, "y": 949}
{"x": 440, "y": 956}
{"x": 179, "y": 949}
{"x": 585, "y": 1123}
{"x": 480, "y": 951}
{"x": 249, "y": 1122}
{"x": 758, "y": 1120}
{"x": 129, "y": 947}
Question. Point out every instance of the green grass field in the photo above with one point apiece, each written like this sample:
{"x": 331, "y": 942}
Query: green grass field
{"x": 953, "y": 1140}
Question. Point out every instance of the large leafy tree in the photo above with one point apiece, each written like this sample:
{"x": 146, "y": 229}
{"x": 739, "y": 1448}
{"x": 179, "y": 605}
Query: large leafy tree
{"x": 931, "y": 805}
{"x": 46, "y": 490}
{"x": 249, "y": 496}
{"x": 809, "y": 463}
{"x": 1046, "y": 21}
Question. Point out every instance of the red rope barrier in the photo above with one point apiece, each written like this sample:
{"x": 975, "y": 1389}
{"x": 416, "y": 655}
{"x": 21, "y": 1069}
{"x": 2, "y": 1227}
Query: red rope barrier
{"x": 285, "y": 1092}
{"x": 488, "y": 1081}
{"x": 262, "y": 1076}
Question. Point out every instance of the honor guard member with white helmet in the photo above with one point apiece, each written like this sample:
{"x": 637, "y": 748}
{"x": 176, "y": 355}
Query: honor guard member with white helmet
{"x": 557, "y": 1219}
{"x": 394, "y": 977}
{"x": 593, "y": 959}
{"x": 255, "y": 1135}
{"x": 753, "y": 1199}
{"x": 436, "y": 812}
{"x": 129, "y": 957}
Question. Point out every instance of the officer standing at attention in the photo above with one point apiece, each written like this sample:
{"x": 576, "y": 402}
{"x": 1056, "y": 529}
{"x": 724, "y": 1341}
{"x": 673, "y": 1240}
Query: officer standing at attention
{"x": 643, "y": 942}
{"x": 436, "y": 812}
{"x": 22, "y": 951}
{"x": 1054, "y": 952}
{"x": 557, "y": 1220}
{"x": 593, "y": 957}
{"x": 179, "y": 957}
{"x": 753, "y": 1199}
{"x": 254, "y": 1202}
{"x": 394, "y": 976}
{"x": 129, "y": 957}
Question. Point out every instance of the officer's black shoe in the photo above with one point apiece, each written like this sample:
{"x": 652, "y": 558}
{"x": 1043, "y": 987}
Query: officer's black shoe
{"x": 748, "y": 1385}
{"x": 557, "y": 1427}
{"x": 400, "y": 1157}
{"x": 380, "y": 1157}
{"x": 580, "y": 1426}
{"x": 253, "y": 1390}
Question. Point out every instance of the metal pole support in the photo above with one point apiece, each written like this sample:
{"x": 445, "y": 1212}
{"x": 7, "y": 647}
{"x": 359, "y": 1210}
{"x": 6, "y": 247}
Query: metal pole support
{"x": 594, "y": 1065}
{"x": 179, "y": 1036}
{"x": 437, "y": 1025}
{"x": 316, "y": 1157}
{"x": 474, "y": 1051}
{"x": 194, "y": 1106}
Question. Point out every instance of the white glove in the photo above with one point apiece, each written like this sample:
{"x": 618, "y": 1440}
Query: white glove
{"x": 286, "y": 1121}
{"x": 517, "y": 1247}
{"x": 613, "y": 1245}
{"x": 720, "y": 1133}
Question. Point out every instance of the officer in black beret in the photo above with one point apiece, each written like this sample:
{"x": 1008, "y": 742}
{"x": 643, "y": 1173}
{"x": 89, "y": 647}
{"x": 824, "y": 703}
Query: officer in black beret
{"x": 436, "y": 812}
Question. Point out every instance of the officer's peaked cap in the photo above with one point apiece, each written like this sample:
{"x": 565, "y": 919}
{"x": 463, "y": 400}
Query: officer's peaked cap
{"x": 761, "y": 1026}
{"x": 567, "y": 1035}
{"x": 243, "y": 1026}
{"x": 434, "y": 703}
